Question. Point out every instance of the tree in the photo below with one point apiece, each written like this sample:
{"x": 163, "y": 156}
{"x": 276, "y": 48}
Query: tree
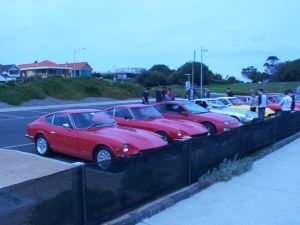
{"x": 161, "y": 68}
{"x": 148, "y": 78}
{"x": 187, "y": 69}
{"x": 271, "y": 65}
{"x": 288, "y": 71}
{"x": 252, "y": 74}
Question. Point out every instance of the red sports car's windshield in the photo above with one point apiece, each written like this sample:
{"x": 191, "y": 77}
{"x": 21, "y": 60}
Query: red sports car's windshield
{"x": 142, "y": 113}
{"x": 194, "y": 108}
{"x": 91, "y": 119}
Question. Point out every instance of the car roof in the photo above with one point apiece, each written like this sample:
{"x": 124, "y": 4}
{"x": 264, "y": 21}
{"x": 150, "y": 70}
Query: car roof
{"x": 274, "y": 93}
{"x": 76, "y": 110}
{"x": 131, "y": 106}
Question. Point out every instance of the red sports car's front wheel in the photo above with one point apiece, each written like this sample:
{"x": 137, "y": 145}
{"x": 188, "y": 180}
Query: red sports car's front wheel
{"x": 103, "y": 158}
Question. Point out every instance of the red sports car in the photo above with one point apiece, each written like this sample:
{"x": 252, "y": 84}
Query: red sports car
{"x": 148, "y": 118}
{"x": 273, "y": 102}
{"x": 215, "y": 123}
{"x": 89, "y": 134}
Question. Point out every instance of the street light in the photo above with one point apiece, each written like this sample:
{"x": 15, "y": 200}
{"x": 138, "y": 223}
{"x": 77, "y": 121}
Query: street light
{"x": 201, "y": 72}
{"x": 74, "y": 59}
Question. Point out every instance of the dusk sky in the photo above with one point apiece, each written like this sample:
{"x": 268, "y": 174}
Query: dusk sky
{"x": 141, "y": 33}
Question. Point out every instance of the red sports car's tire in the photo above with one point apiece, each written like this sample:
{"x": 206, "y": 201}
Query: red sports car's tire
{"x": 42, "y": 145}
{"x": 103, "y": 157}
{"x": 165, "y": 136}
{"x": 210, "y": 127}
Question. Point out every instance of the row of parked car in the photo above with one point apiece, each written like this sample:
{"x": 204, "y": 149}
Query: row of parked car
{"x": 128, "y": 130}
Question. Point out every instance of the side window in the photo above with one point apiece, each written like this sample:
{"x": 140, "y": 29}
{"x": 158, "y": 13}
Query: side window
{"x": 271, "y": 99}
{"x": 223, "y": 101}
{"x": 49, "y": 118}
{"x": 202, "y": 103}
{"x": 61, "y": 119}
{"x": 110, "y": 112}
{"x": 161, "y": 108}
{"x": 174, "y": 108}
{"x": 123, "y": 113}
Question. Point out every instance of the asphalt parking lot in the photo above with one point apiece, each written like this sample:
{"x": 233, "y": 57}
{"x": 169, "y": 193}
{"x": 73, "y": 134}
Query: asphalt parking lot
{"x": 13, "y": 128}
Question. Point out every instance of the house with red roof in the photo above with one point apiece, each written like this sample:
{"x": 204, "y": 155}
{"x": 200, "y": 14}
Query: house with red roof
{"x": 48, "y": 68}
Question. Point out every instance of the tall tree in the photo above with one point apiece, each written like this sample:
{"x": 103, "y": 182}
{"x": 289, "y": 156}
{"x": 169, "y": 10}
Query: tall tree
{"x": 161, "y": 68}
{"x": 271, "y": 65}
{"x": 288, "y": 71}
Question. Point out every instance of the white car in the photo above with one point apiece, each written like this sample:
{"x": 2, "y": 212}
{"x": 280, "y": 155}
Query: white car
{"x": 216, "y": 106}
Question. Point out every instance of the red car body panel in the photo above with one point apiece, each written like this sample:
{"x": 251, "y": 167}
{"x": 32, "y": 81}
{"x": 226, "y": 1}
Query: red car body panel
{"x": 171, "y": 127}
{"x": 218, "y": 120}
{"x": 81, "y": 143}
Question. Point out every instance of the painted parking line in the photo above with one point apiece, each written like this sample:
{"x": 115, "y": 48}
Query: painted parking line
{"x": 16, "y": 146}
{"x": 10, "y": 116}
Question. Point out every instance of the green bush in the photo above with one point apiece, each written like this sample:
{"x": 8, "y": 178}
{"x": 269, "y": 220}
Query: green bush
{"x": 67, "y": 88}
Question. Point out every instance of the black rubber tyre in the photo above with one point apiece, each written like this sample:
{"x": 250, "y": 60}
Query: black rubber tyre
{"x": 42, "y": 146}
{"x": 165, "y": 136}
{"x": 210, "y": 127}
{"x": 103, "y": 157}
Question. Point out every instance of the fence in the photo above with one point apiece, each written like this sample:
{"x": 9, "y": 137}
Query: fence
{"x": 88, "y": 195}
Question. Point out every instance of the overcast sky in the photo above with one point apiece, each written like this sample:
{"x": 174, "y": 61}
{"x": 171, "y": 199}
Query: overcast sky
{"x": 141, "y": 33}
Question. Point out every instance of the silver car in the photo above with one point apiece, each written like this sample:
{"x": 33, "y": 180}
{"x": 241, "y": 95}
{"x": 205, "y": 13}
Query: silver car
{"x": 216, "y": 106}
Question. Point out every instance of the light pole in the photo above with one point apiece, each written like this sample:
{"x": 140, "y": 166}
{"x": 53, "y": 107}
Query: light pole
{"x": 74, "y": 60}
{"x": 201, "y": 72}
{"x": 193, "y": 70}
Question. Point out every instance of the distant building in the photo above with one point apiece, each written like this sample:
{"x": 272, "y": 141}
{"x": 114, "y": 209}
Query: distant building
{"x": 48, "y": 68}
{"x": 9, "y": 73}
{"x": 128, "y": 73}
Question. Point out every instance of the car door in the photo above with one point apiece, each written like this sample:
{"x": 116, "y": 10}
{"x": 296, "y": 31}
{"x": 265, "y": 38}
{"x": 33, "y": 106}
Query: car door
{"x": 63, "y": 137}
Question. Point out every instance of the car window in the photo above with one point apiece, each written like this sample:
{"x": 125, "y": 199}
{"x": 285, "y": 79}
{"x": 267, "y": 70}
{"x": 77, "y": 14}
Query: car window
{"x": 60, "y": 119}
{"x": 111, "y": 111}
{"x": 194, "y": 108}
{"x": 161, "y": 107}
{"x": 271, "y": 99}
{"x": 149, "y": 112}
{"x": 123, "y": 113}
{"x": 87, "y": 119}
{"x": 236, "y": 101}
{"x": 174, "y": 108}
{"x": 224, "y": 101}
{"x": 49, "y": 119}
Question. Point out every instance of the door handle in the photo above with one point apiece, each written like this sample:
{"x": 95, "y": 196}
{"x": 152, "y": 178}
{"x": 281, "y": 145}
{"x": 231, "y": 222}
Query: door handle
{"x": 52, "y": 132}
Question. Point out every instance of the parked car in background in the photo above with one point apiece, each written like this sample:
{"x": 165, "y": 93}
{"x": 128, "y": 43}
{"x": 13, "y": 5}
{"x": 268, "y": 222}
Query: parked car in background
{"x": 216, "y": 106}
{"x": 275, "y": 98}
{"x": 185, "y": 110}
{"x": 235, "y": 102}
{"x": 148, "y": 118}
{"x": 89, "y": 134}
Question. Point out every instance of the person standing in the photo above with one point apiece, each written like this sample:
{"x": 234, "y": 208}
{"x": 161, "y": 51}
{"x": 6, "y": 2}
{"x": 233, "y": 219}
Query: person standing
{"x": 229, "y": 92}
{"x": 286, "y": 103}
{"x": 170, "y": 95}
{"x": 163, "y": 93}
{"x": 262, "y": 103}
{"x": 206, "y": 92}
{"x": 158, "y": 94}
{"x": 252, "y": 101}
{"x": 191, "y": 93}
{"x": 293, "y": 99}
{"x": 145, "y": 96}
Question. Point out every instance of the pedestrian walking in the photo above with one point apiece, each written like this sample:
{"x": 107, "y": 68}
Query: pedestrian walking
{"x": 158, "y": 94}
{"x": 191, "y": 93}
{"x": 145, "y": 96}
{"x": 229, "y": 92}
{"x": 262, "y": 103}
{"x": 253, "y": 103}
{"x": 286, "y": 103}
{"x": 206, "y": 92}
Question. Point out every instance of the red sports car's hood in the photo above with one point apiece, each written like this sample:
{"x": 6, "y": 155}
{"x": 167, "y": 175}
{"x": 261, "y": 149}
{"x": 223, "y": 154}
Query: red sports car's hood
{"x": 218, "y": 117}
{"x": 188, "y": 127}
{"x": 135, "y": 137}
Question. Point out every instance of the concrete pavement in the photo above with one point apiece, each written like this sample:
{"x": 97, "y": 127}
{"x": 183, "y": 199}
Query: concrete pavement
{"x": 269, "y": 194}
{"x": 17, "y": 167}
